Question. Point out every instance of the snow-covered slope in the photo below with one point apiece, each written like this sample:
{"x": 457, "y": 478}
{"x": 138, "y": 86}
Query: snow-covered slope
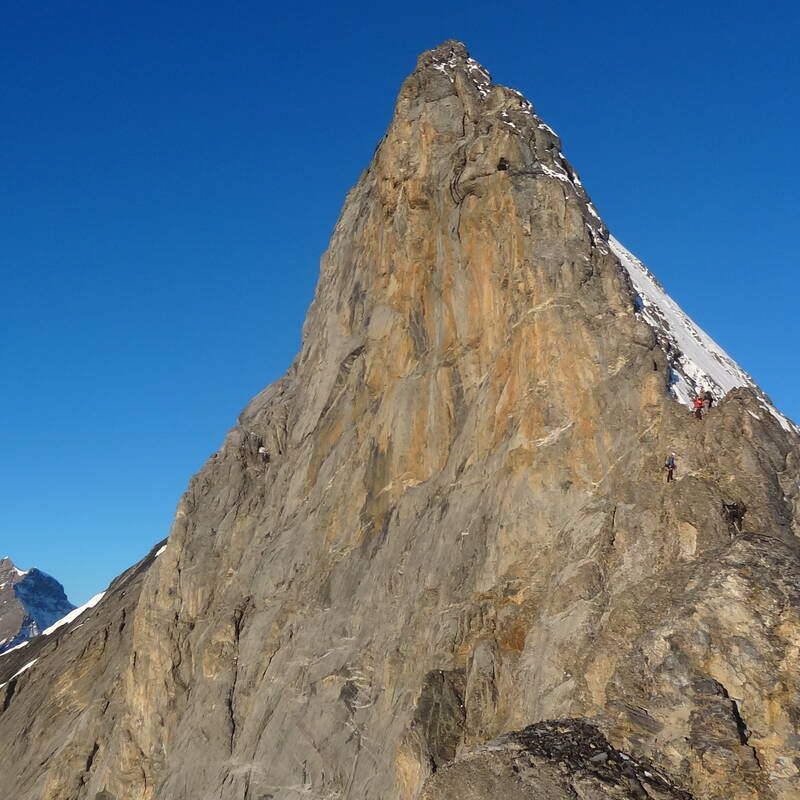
{"x": 698, "y": 362}
{"x": 74, "y": 614}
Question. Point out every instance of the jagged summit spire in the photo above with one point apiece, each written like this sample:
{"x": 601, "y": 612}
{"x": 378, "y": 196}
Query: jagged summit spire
{"x": 467, "y": 188}
{"x": 451, "y": 60}
{"x": 505, "y": 122}
{"x": 448, "y": 49}
{"x": 452, "y": 56}
{"x": 476, "y": 107}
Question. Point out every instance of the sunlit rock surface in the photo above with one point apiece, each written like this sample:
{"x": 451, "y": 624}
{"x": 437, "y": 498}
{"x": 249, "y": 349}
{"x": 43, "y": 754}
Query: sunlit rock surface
{"x": 448, "y": 522}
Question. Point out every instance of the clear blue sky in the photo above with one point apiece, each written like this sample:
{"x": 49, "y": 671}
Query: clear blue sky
{"x": 171, "y": 174}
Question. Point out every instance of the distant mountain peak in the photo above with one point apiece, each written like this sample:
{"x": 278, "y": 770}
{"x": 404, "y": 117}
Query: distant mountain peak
{"x": 30, "y": 602}
{"x": 7, "y": 564}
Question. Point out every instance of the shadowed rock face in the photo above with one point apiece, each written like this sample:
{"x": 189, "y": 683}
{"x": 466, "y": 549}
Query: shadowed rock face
{"x": 448, "y": 521}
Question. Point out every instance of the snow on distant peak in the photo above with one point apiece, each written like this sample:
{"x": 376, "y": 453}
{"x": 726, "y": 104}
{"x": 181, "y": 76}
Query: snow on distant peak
{"x": 697, "y": 361}
{"x": 73, "y": 615}
{"x": 7, "y": 562}
{"x": 15, "y": 647}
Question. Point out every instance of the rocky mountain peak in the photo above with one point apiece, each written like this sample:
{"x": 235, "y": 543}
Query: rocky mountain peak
{"x": 440, "y": 557}
{"x": 30, "y": 601}
{"x": 9, "y": 572}
{"x": 450, "y": 59}
{"x": 431, "y": 259}
{"x": 448, "y": 71}
{"x": 6, "y": 564}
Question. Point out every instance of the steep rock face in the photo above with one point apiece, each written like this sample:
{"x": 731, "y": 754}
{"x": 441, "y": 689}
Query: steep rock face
{"x": 448, "y": 521}
{"x": 30, "y": 601}
{"x": 53, "y": 690}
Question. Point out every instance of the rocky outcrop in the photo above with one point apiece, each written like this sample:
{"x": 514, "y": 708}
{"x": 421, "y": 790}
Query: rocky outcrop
{"x": 30, "y": 601}
{"x": 552, "y": 760}
{"x": 448, "y": 522}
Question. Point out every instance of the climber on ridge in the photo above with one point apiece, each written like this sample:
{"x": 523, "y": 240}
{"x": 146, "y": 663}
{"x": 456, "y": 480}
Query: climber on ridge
{"x": 670, "y": 466}
{"x": 708, "y": 399}
{"x": 698, "y": 405}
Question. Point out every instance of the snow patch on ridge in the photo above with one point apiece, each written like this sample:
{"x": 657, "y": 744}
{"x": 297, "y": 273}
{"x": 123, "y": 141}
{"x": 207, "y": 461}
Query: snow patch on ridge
{"x": 561, "y": 176}
{"x": 19, "y": 672}
{"x": 73, "y": 615}
{"x": 477, "y": 73}
{"x": 697, "y": 361}
{"x": 480, "y": 77}
{"x": 15, "y": 647}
